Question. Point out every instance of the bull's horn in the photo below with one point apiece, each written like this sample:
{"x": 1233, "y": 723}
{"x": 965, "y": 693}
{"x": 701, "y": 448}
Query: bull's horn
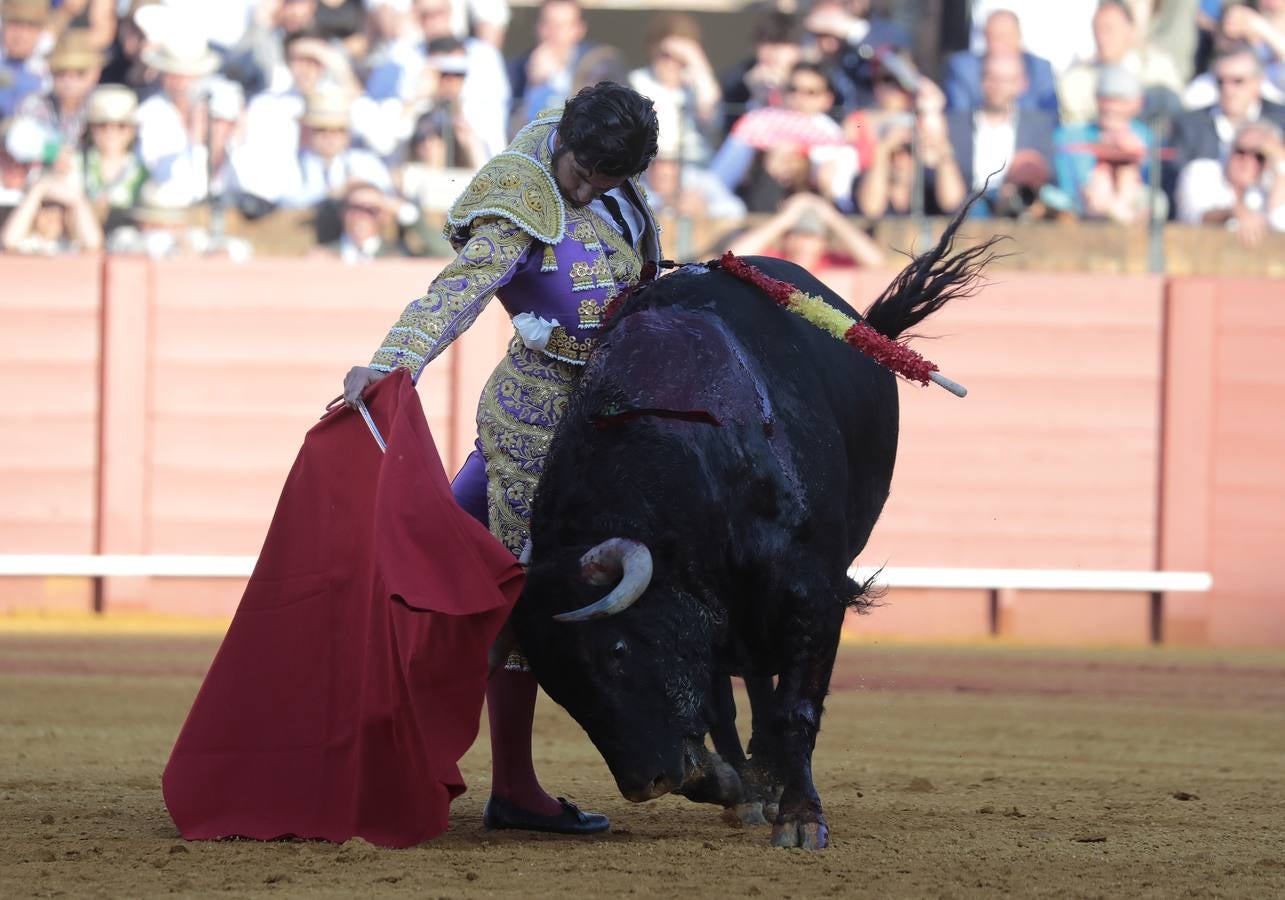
{"x": 630, "y": 561}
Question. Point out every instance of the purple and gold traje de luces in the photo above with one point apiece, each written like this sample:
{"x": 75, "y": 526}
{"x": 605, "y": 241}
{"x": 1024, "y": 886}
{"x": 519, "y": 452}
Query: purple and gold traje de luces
{"x": 555, "y": 269}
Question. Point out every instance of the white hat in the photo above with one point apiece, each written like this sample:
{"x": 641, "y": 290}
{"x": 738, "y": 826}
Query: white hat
{"x": 25, "y": 140}
{"x": 111, "y": 103}
{"x": 175, "y": 47}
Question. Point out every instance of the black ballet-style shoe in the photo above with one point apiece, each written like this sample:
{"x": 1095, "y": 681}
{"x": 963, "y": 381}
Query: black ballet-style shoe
{"x": 500, "y": 813}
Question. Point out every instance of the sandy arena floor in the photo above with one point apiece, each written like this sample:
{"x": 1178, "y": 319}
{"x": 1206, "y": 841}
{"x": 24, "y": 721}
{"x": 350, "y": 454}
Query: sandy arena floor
{"x": 946, "y": 772}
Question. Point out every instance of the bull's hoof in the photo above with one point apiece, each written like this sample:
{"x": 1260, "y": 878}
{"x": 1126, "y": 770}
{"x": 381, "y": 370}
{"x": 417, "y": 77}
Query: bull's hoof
{"x": 745, "y": 814}
{"x": 806, "y": 835}
{"x": 771, "y": 810}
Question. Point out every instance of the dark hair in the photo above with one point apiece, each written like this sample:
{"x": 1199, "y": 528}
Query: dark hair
{"x": 815, "y": 70}
{"x": 610, "y": 129}
{"x": 1229, "y": 49}
{"x": 775, "y": 27}
{"x": 446, "y": 44}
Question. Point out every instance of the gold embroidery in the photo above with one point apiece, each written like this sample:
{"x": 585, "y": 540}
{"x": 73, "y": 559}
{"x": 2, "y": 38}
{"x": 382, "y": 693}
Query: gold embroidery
{"x": 590, "y": 276}
{"x": 456, "y": 297}
{"x": 521, "y": 406}
{"x": 583, "y": 233}
{"x": 518, "y": 185}
{"x": 590, "y": 312}
{"x": 550, "y": 261}
{"x": 567, "y": 348}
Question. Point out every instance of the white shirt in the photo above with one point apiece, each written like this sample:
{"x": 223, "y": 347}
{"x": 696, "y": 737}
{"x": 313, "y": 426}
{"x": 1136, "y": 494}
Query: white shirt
{"x": 1061, "y": 31}
{"x": 993, "y": 148}
{"x": 632, "y": 215}
{"x": 1203, "y": 187}
{"x": 317, "y": 179}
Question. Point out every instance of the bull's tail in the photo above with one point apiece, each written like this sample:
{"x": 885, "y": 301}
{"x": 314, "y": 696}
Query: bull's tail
{"x": 932, "y": 280}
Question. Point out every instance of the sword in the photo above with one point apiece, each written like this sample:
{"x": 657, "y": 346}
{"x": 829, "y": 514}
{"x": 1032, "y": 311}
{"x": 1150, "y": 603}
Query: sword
{"x": 370, "y": 423}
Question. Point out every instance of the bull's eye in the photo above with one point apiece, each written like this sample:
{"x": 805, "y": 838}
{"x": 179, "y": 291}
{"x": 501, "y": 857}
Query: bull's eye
{"x": 619, "y": 649}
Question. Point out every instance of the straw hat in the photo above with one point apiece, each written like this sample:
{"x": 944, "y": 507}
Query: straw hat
{"x": 160, "y": 204}
{"x": 75, "y": 49}
{"x": 328, "y": 108}
{"x": 111, "y": 103}
{"x": 32, "y": 12}
{"x": 176, "y": 48}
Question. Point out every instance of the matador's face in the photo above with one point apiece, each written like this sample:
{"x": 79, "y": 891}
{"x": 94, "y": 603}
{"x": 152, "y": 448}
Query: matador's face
{"x": 578, "y": 185}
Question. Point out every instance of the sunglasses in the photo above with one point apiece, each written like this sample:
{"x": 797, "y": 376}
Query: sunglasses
{"x": 362, "y": 208}
{"x": 1246, "y": 151}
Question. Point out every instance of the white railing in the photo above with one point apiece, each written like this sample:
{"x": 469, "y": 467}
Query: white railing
{"x": 198, "y": 566}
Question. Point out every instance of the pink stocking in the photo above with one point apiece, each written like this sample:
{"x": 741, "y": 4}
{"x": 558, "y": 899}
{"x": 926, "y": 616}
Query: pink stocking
{"x": 510, "y": 706}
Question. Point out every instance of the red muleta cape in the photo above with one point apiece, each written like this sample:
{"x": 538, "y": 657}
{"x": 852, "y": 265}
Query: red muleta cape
{"x": 351, "y": 679}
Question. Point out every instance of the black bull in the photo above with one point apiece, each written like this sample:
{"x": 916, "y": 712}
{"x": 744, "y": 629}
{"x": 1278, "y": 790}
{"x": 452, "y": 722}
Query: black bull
{"x": 728, "y": 460}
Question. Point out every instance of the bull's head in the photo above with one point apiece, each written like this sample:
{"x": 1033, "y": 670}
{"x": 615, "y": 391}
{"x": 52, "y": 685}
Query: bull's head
{"x": 630, "y": 663}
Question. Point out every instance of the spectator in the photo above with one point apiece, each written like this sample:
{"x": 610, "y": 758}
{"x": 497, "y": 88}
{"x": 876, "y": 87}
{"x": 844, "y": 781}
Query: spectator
{"x": 776, "y": 151}
{"x": 1207, "y": 133}
{"x": 597, "y": 64}
{"x": 125, "y": 55}
{"x": 1203, "y": 90}
{"x": 761, "y": 80}
{"x": 1115, "y": 39}
{"x": 844, "y": 39}
{"x": 275, "y": 23}
{"x": 446, "y": 70}
{"x": 541, "y": 79}
{"x": 678, "y": 188}
{"x": 884, "y": 137}
{"x": 483, "y": 96}
{"x": 367, "y": 214}
{"x": 75, "y": 64}
{"x": 1102, "y": 166}
{"x": 681, "y": 83}
{"x": 98, "y": 17}
{"x": 487, "y": 20}
{"x": 270, "y": 148}
{"x": 22, "y": 149}
{"x": 1003, "y": 37}
{"x": 53, "y": 218}
{"x": 22, "y": 71}
{"x": 1169, "y": 26}
{"x": 203, "y": 170}
{"x": 174, "y": 119}
{"x": 1246, "y": 193}
{"x": 804, "y": 230}
{"x": 327, "y": 159}
{"x": 343, "y": 21}
{"x": 162, "y": 229}
{"x": 431, "y": 178}
{"x": 1264, "y": 29}
{"x": 986, "y": 141}
{"x": 111, "y": 170}
{"x": 1058, "y": 31}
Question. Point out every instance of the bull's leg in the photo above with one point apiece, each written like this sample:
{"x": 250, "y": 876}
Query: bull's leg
{"x": 800, "y": 693}
{"x": 746, "y": 807}
{"x": 759, "y": 775}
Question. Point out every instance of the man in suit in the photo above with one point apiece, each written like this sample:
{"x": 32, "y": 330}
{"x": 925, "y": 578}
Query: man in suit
{"x": 963, "y": 76}
{"x": 1207, "y": 133}
{"x": 544, "y": 77}
{"x": 986, "y": 141}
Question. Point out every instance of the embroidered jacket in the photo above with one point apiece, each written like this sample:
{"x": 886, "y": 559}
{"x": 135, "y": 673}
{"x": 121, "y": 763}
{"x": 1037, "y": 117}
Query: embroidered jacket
{"x": 555, "y": 268}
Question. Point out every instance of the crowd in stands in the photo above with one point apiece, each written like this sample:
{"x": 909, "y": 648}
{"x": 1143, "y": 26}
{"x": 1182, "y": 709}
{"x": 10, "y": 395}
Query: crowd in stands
{"x": 137, "y": 125}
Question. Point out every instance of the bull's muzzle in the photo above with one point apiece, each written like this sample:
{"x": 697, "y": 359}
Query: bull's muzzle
{"x": 626, "y": 562}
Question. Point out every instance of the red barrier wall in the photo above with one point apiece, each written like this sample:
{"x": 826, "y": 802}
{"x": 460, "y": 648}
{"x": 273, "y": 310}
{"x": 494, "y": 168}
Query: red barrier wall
{"x": 1112, "y": 422}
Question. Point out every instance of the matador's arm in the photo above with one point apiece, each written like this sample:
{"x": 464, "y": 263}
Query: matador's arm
{"x": 456, "y": 296}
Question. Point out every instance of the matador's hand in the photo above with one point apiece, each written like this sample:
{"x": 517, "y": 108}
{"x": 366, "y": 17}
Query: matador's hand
{"x": 356, "y": 381}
